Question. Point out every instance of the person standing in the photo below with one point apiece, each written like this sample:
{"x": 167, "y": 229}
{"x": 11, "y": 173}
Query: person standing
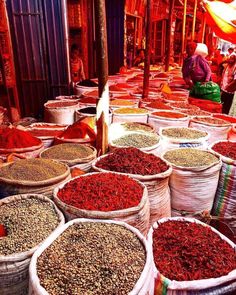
{"x": 76, "y": 65}
{"x": 195, "y": 67}
{"x": 228, "y": 83}
{"x": 139, "y": 58}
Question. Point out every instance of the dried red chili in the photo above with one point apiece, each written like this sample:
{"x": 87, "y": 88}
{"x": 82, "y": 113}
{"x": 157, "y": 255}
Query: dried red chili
{"x": 132, "y": 161}
{"x": 3, "y": 231}
{"x": 186, "y": 251}
{"x": 184, "y": 105}
{"x": 225, "y": 117}
{"x": 174, "y": 115}
{"x": 210, "y": 120}
{"x": 226, "y": 148}
{"x": 102, "y": 192}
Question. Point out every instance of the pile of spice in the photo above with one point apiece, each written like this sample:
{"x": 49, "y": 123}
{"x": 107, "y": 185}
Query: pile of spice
{"x": 132, "y": 161}
{"x": 28, "y": 222}
{"x": 184, "y": 105}
{"x": 121, "y": 102}
{"x": 175, "y": 98}
{"x": 102, "y": 192}
{"x": 46, "y": 129}
{"x": 130, "y": 111}
{"x": 79, "y": 130}
{"x": 88, "y": 100}
{"x": 33, "y": 170}
{"x": 124, "y": 85}
{"x": 187, "y": 157}
{"x": 111, "y": 260}
{"x": 67, "y": 151}
{"x": 226, "y": 148}
{"x": 116, "y": 88}
{"x": 138, "y": 140}
{"x": 93, "y": 93}
{"x": 169, "y": 115}
{"x": 158, "y": 105}
{"x": 183, "y": 133}
{"x": 135, "y": 126}
{"x": 13, "y": 138}
{"x": 185, "y": 251}
{"x": 225, "y": 118}
{"x": 193, "y": 112}
{"x": 61, "y": 104}
{"x": 210, "y": 120}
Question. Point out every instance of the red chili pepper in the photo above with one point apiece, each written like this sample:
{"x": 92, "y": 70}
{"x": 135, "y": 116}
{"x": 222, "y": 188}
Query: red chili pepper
{"x": 185, "y": 251}
{"x": 227, "y": 149}
{"x": 3, "y": 231}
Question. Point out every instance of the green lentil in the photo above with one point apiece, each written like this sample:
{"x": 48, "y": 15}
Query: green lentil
{"x": 133, "y": 126}
{"x": 67, "y": 151}
{"x": 28, "y": 222}
{"x": 32, "y": 170}
{"x": 188, "y": 157}
{"x": 184, "y": 133}
{"x": 137, "y": 140}
{"x": 92, "y": 259}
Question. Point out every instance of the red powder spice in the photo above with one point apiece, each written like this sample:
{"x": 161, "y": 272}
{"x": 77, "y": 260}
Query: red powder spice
{"x": 78, "y": 130}
{"x": 193, "y": 112}
{"x": 184, "y": 105}
{"x": 175, "y": 98}
{"x": 102, "y": 192}
{"x": 173, "y": 115}
{"x": 186, "y": 251}
{"x": 92, "y": 100}
{"x": 61, "y": 104}
{"x": 45, "y": 133}
{"x": 132, "y": 161}
{"x": 210, "y": 120}
{"x": 124, "y": 85}
{"x": 225, "y": 118}
{"x": 13, "y": 138}
{"x": 159, "y": 105}
{"x": 226, "y": 148}
{"x": 115, "y": 88}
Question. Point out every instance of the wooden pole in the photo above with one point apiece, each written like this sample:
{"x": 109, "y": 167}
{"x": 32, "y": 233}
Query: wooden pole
{"x": 147, "y": 49}
{"x": 183, "y": 32}
{"x": 102, "y": 71}
{"x": 194, "y": 20}
{"x": 203, "y": 28}
{"x": 169, "y": 40}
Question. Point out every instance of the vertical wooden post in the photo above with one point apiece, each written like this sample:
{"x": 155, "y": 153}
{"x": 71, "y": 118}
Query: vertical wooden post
{"x": 203, "y": 28}
{"x": 147, "y": 49}
{"x": 102, "y": 71}
{"x": 183, "y": 32}
{"x": 169, "y": 35}
{"x": 194, "y": 20}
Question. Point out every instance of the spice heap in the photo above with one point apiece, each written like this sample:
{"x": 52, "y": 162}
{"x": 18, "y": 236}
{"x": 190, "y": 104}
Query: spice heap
{"x": 67, "y": 151}
{"x": 13, "y": 138}
{"x": 116, "y": 88}
{"x": 89, "y": 100}
{"x": 132, "y": 161}
{"x": 171, "y": 115}
{"x": 226, "y": 148}
{"x": 175, "y": 98}
{"x": 121, "y": 102}
{"x": 184, "y": 105}
{"x": 183, "y": 133}
{"x": 193, "y": 112}
{"x": 61, "y": 104}
{"x": 102, "y": 192}
{"x": 78, "y": 130}
{"x": 135, "y": 126}
{"x": 225, "y": 118}
{"x": 158, "y": 105}
{"x": 138, "y": 140}
{"x": 111, "y": 260}
{"x": 185, "y": 251}
{"x": 210, "y": 120}
{"x": 187, "y": 157}
{"x": 130, "y": 111}
{"x": 33, "y": 170}
{"x": 28, "y": 222}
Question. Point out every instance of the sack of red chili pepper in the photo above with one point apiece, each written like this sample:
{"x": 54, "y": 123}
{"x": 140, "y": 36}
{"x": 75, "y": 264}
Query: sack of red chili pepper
{"x": 105, "y": 196}
{"x": 167, "y": 119}
{"x": 194, "y": 179}
{"x": 151, "y": 170}
{"x": 217, "y": 128}
{"x": 225, "y": 202}
{"x": 114, "y": 258}
{"x": 191, "y": 257}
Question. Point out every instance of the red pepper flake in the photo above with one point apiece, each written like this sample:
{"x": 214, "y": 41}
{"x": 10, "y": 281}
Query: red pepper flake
{"x": 184, "y": 105}
{"x": 91, "y": 100}
{"x": 185, "y": 251}
{"x": 159, "y": 105}
{"x": 210, "y": 120}
{"x": 132, "y": 161}
{"x": 225, "y": 117}
{"x": 61, "y": 104}
{"x": 3, "y": 231}
{"x": 175, "y": 98}
{"x": 172, "y": 115}
{"x": 193, "y": 112}
{"x": 226, "y": 148}
{"x": 102, "y": 192}
{"x": 43, "y": 133}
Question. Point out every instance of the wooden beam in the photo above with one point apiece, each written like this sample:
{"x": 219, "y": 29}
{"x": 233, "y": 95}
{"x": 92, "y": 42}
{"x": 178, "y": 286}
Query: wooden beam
{"x": 194, "y": 19}
{"x": 183, "y": 32}
{"x": 102, "y": 71}
{"x": 169, "y": 34}
{"x": 203, "y": 26}
{"x": 147, "y": 49}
